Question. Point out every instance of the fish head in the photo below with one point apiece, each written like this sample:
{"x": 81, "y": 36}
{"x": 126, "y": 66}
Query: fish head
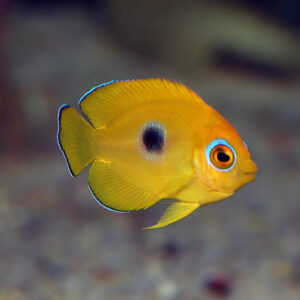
{"x": 222, "y": 160}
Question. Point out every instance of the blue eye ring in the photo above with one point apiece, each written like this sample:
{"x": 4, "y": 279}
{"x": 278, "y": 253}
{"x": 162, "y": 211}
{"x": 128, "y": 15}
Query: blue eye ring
{"x": 219, "y": 143}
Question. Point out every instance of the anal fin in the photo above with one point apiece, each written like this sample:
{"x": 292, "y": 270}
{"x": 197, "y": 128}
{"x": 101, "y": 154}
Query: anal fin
{"x": 110, "y": 185}
{"x": 175, "y": 212}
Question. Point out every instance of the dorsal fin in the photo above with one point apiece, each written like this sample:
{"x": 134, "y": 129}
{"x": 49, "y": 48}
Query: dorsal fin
{"x": 105, "y": 102}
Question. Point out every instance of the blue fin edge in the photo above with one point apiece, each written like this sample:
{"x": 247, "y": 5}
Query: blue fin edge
{"x": 64, "y": 106}
{"x": 111, "y": 82}
{"x": 105, "y": 206}
{"x": 95, "y": 88}
{"x": 124, "y": 80}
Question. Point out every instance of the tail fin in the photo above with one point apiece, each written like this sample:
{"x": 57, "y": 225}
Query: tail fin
{"x": 75, "y": 137}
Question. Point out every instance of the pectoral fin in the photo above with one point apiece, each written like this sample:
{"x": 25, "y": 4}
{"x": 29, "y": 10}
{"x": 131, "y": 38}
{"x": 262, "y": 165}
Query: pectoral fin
{"x": 175, "y": 212}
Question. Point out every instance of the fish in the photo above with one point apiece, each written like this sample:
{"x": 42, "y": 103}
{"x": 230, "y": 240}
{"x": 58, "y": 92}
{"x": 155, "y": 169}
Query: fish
{"x": 146, "y": 140}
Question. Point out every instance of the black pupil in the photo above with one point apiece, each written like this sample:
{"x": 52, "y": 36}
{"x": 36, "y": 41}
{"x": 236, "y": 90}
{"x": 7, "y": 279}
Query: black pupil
{"x": 153, "y": 139}
{"x": 223, "y": 157}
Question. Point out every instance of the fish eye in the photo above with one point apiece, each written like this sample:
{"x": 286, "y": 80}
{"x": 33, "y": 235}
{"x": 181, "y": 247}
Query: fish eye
{"x": 221, "y": 155}
{"x": 153, "y": 137}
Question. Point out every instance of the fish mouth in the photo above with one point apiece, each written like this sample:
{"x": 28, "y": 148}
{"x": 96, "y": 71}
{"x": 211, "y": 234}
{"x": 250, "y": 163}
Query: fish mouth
{"x": 250, "y": 176}
{"x": 250, "y": 173}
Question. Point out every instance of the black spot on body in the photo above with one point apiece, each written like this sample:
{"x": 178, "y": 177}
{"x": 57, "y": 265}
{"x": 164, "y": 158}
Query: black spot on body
{"x": 223, "y": 157}
{"x": 153, "y": 139}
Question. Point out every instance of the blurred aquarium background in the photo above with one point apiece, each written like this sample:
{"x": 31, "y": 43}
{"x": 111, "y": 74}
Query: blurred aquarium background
{"x": 242, "y": 57}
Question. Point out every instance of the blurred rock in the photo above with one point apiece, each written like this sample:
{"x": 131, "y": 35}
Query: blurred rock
{"x": 295, "y": 274}
{"x": 197, "y": 34}
{"x": 105, "y": 274}
{"x": 13, "y": 127}
{"x": 170, "y": 249}
{"x": 219, "y": 285}
{"x": 166, "y": 289}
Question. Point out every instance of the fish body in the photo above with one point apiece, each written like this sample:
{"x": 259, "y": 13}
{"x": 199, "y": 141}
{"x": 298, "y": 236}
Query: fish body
{"x": 153, "y": 139}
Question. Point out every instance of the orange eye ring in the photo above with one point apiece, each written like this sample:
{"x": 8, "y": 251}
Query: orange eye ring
{"x": 222, "y": 157}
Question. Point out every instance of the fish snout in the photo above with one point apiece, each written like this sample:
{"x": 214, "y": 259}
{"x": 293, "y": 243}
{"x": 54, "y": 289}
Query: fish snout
{"x": 250, "y": 170}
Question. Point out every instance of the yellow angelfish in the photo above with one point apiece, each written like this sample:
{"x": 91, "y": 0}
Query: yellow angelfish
{"x": 152, "y": 139}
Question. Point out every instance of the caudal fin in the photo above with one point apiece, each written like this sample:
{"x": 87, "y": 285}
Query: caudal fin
{"x": 75, "y": 137}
